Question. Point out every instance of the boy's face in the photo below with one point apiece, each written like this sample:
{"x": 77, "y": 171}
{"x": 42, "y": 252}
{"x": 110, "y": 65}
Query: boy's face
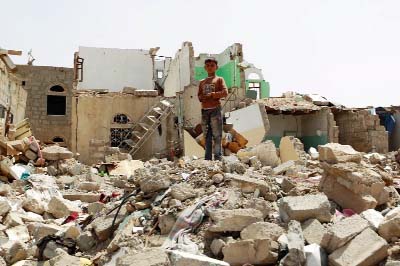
{"x": 210, "y": 67}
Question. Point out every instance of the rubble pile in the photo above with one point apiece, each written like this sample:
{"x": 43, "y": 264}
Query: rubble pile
{"x": 263, "y": 206}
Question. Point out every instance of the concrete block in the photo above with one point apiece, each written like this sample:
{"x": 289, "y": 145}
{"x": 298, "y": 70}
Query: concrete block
{"x": 373, "y": 217}
{"x": 390, "y": 227}
{"x": 296, "y": 255}
{"x": 84, "y": 197}
{"x": 342, "y": 232}
{"x": 365, "y": 249}
{"x": 182, "y": 192}
{"x": 353, "y": 186}
{"x": 313, "y": 232}
{"x": 302, "y": 208}
{"x": 280, "y": 169}
{"x": 234, "y": 220}
{"x": 148, "y": 257}
{"x": 60, "y": 207}
{"x": 262, "y": 230}
{"x": 179, "y": 258}
{"x": 335, "y": 153}
{"x": 54, "y": 153}
{"x": 248, "y": 184}
{"x": 256, "y": 252}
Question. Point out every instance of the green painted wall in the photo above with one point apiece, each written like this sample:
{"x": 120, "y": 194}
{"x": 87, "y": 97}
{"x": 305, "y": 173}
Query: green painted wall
{"x": 308, "y": 141}
{"x": 265, "y": 89}
{"x": 230, "y": 72}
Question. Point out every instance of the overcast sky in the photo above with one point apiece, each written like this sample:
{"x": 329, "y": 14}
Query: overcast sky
{"x": 346, "y": 50}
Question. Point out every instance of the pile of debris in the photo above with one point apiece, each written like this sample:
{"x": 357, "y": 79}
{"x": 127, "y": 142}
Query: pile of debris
{"x": 262, "y": 206}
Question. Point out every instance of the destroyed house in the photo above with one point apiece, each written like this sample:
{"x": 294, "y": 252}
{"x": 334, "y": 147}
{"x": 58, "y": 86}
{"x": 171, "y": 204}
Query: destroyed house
{"x": 13, "y": 95}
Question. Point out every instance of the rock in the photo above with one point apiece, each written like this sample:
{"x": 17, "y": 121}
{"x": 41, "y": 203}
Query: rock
{"x": 64, "y": 259}
{"x": 84, "y": 197}
{"x": 296, "y": 255}
{"x": 365, "y": 249}
{"x": 40, "y": 230}
{"x": 342, "y": 232}
{"x": 72, "y": 232}
{"x": 18, "y": 251}
{"x": 265, "y": 152}
{"x": 287, "y": 184}
{"x": 166, "y": 222}
{"x": 141, "y": 205}
{"x": 24, "y": 263}
{"x": 31, "y": 155}
{"x": 124, "y": 235}
{"x": 302, "y": 208}
{"x": 261, "y": 230}
{"x": 5, "y": 189}
{"x": 5, "y": 206}
{"x": 216, "y": 246}
{"x": 248, "y": 184}
{"x": 375, "y": 158}
{"x": 179, "y": 258}
{"x": 353, "y": 186}
{"x": 182, "y": 192}
{"x": 86, "y": 241}
{"x": 89, "y": 186}
{"x": 259, "y": 204}
{"x": 103, "y": 227}
{"x": 148, "y": 257}
{"x": 287, "y": 149}
{"x": 338, "y": 153}
{"x": 234, "y": 220}
{"x": 218, "y": 178}
{"x": 280, "y": 169}
{"x": 95, "y": 207}
{"x": 52, "y": 170}
{"x": 13, "y": 219}
{"x": 60, "y": 207}
{"x": 390, "y": 227}
{"x": 231, "y": 164}
{"x": 174, "y": 203}
{"x": 252, "y": 251}
{"x": 54, "y": 153}
{"x": 154, "y": 183}
{"x": 373, "y": 217}
{"x": 34, "y": 202}
{"x": 313, "y": 153}
{"x": 313, "y": 231}
{"x": 18, "y": 233}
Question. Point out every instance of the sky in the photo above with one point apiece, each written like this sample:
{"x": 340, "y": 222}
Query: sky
{"x": 345, "y": 50}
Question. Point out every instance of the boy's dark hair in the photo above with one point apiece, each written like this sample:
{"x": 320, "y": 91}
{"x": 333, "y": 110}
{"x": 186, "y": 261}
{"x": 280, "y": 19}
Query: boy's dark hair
{"x": 211, "y": 59}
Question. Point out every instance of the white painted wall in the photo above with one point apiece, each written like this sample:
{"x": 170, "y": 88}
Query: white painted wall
{"x": 178, "y": 75}
{"x": 113, "y": 69}
{"x": 251, "y": 70}
{"x": 281, "y": 123}
{"x": 249, "y": 122}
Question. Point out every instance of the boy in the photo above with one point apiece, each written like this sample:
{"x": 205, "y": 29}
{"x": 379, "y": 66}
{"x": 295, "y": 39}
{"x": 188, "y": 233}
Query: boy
{"x": 211, "y": 90}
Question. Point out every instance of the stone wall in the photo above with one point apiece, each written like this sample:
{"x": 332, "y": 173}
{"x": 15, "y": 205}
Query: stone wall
{"x": 38, "y": 82}
{"x": 362, "y": 130}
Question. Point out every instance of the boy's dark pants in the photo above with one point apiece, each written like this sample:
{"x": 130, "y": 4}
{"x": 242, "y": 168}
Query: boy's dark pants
{"x": 211, "y": 124}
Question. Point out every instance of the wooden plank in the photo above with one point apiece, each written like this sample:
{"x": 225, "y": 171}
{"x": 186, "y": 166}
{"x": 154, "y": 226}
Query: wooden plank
{"x": 11, "y": 52}
{"x": 22, "y": 122}
{"x": 8, "y": 62}
{"x": 22, "y": 130}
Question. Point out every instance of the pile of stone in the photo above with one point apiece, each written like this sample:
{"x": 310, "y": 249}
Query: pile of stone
{"x": 281, "y": 206}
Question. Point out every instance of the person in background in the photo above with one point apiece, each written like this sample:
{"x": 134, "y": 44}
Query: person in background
{"x": 211, "y": 90}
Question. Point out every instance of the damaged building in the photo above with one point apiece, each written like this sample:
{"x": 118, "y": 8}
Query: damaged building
{"x": 13, "y": 95}
{"x": 147, "y": 105}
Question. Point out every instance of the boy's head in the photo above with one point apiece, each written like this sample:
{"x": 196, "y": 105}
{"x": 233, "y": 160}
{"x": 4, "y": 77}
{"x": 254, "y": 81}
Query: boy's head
{"x": 211, "y": 65}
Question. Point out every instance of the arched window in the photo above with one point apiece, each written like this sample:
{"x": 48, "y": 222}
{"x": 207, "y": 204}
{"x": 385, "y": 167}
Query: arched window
{"x": 121, "y": 119}
{"x": 253, "y": 76}
{"x": 119, "y": 129}
{"x": 58, "y": 139}
{"x": 57, "y": 88}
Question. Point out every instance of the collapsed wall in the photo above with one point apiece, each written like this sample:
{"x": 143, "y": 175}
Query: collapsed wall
{"x": 362, "y": 130}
